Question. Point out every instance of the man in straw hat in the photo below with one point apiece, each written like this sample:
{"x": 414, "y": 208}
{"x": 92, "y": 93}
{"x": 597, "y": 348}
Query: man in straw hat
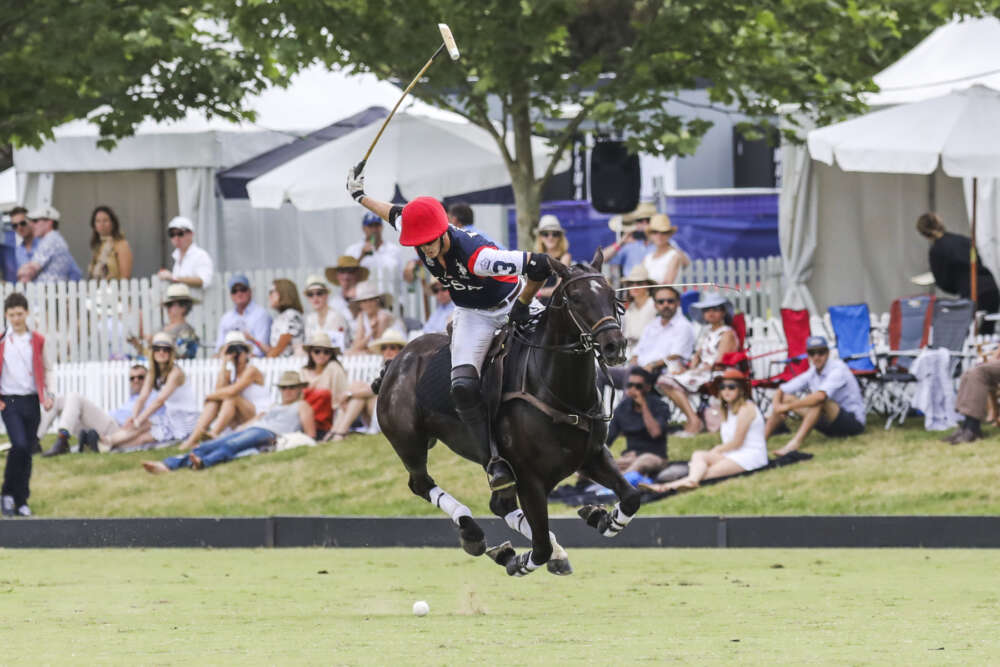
{"x": 632, "y": 247}
{"x": 375, "y": 254}
{"x": 290, "y": 415}
{"x": 486, "y": 285}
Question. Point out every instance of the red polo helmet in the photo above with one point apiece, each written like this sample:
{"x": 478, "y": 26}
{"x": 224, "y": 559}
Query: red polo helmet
{"x": 424, "y": 220}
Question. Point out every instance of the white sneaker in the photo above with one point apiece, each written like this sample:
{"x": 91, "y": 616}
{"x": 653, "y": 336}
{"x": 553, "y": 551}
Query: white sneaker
{"x": 23, "y": 510}
{"x": 7, "y": 505}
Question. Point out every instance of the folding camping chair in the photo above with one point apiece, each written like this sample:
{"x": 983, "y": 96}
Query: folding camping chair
{"x": 795, "y": 324}
{"x": 852, "y": 327}
{"x": 951, "y": 327}
{"x": 909, "y": 330}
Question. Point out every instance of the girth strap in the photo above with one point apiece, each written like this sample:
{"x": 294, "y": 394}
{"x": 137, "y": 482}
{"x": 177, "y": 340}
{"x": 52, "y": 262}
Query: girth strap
{"x": 559, "y": 417}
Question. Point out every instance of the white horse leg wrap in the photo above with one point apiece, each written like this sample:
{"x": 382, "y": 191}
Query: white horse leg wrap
{"x": 447, "y": 504}
{"x": 618, "y": 521}
{"x": 558, "y": 553}
{"x": 518, "y": 523}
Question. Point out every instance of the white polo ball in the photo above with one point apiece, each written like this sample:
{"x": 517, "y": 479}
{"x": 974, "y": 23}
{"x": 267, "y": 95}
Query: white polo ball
{"x": 420, "y": 608}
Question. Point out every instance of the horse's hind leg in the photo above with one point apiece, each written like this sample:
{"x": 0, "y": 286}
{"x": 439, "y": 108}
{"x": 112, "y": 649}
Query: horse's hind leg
{"x": 505, "y": 507}
{"x": 602, "y": 469}
{"x": 422, "y": 484}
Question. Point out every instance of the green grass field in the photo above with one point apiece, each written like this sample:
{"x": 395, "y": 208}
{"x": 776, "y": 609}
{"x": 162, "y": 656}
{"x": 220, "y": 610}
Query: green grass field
{"x": 904, "y": 471}
{"x": 345, "y": 606}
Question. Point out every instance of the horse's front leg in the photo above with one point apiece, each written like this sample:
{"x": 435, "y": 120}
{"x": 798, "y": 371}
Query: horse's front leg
{"x": 531, "y": 493}
{"x": 602, "y": 469}
{"x": 505, "y": 506}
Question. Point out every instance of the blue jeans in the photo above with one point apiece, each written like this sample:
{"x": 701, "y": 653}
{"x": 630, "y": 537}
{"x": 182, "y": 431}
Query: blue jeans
{"x": 223, "y": 449}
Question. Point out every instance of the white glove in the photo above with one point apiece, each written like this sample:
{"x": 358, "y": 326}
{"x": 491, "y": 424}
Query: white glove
{"x": 356, "y": 183}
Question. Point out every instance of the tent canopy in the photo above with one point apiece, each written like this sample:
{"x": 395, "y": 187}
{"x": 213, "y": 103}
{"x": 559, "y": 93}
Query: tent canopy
{"x": 419, "y": 155}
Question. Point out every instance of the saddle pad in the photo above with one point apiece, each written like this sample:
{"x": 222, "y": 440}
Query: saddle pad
{"x": 434, "y": 385}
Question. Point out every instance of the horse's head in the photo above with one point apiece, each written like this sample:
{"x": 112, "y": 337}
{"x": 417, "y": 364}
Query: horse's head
{"x": 590, "y": 303}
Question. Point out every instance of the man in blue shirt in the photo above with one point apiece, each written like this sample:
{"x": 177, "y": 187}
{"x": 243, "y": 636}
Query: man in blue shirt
{"x": 634, "y": 245}
{"x": 833, "y": 405}
{"x": 50, "y": 259}
{"x": 245, "y": 317}
{"x": 24, "y": 246}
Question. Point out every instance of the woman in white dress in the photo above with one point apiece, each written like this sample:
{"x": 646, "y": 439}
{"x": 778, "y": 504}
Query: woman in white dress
{"x": 665, "y": 261}
{"x": 717, "y": 339}
{"x": 174, "y": 393}
{"x": 239, "y": 395}
{"x": 743, "y": 447}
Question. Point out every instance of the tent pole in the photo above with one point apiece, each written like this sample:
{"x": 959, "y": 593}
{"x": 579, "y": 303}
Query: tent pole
{"x": 972, "y": 256}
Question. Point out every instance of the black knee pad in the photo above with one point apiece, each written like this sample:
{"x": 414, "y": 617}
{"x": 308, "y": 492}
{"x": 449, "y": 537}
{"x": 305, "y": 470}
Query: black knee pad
{"x": 465, "y": 391}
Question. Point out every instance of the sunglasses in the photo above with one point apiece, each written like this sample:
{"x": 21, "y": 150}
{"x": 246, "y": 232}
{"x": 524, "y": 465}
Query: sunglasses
{"x": 317, "y": 292}
{"x": 239, "y": 289}
{"x": 660, "y": 301}
{"x": 635, "y": 385}
{"x": 162, "y": 348}
{"x": 729, "y": 385}
{"x": 817, "y": 353}
{"x": 435, "y": 289}
{"x": 174, "y": 233}
{"x": 321, "y": 350}
{"x": 237, "y": 349}
{"x": 392, "y": 347}
{"x": 136, "y": 378}
{"x": 23, "y": 223}
{"x": 550, "y": 234}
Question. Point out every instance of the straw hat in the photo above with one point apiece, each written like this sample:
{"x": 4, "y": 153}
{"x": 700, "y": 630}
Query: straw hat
{"x": 235, "y": 338}
{"x": 315, "y": 280}
{"x": 617, "y": 224}
{"x": 322, "y": 340}
{"x": 369, "y": 290}
{"x": 712, "y": 300}
{"x": 163, "y": 339}
{"x": 661, "y": 223}
{"x": 291, "y": 379}
{"x": 637, "y": 275}
{"x": 645, "y": 209}
{"x": 178, "y": 292}
{"x": 390, "y": 337}
{"x": 346, "y": 262}
{"x": 549, "y": 223}
{"x": 923, "y": 279}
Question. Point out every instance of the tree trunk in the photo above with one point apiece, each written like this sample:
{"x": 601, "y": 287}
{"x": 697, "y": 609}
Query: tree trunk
{"x": 527, "y": 192}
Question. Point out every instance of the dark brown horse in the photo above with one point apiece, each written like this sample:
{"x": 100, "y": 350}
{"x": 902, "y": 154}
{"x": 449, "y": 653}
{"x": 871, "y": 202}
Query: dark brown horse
{"x": 549, "y": 424}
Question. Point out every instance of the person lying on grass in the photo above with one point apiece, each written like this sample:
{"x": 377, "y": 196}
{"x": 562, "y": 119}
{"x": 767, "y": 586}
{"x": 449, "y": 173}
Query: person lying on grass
{"x": 743, "y": 447}
{"x": 291, "y": 415}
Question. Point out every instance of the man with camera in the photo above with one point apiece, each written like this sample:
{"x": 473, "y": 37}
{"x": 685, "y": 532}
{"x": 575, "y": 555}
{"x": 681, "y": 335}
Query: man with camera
{"x": 629, "y": 251}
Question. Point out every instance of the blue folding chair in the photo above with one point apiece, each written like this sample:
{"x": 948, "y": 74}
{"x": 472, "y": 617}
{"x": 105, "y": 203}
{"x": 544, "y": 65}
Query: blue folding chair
{"x": 852, "y": 326}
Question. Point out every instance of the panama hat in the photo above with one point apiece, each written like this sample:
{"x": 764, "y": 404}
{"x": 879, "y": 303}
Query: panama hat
{"x": 290, "y": 379}
{"x": 235, "y": 338}
{"x": 315, "y": 280}
{"x": 43, "y": 213}
{"x": 712, "y": 300}
{"x": 617, "y": 224}
{"x": 322, "y": 340}
{"x": 645, "y": 209}
{"x": 637, "y": 275}
{"x": 163, "y": 339}
{"x": 390, "y": 337}
{"x": 348, "y": 263}
{"x": 661, "y": 223}
{"x": 923, "y": 279}
{"x": 549, "y": 223}
{"x": 369, "y": 290}
{"x": 178, "y": 292}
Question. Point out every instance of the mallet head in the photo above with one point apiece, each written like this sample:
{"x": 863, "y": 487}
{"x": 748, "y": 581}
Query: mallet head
{"x": 449, "y": 40}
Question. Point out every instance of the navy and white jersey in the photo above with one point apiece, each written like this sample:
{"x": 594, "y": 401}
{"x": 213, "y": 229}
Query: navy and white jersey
{"x": 476, "y": 273}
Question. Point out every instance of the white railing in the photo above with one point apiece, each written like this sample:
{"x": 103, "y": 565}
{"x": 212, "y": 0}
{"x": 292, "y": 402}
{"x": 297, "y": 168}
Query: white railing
{"x": 758, "y": 282}
{"x": 92, "y": 321}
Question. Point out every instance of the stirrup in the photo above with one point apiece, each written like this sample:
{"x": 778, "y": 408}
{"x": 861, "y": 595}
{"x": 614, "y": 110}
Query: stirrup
{"x": 502, "y": 479}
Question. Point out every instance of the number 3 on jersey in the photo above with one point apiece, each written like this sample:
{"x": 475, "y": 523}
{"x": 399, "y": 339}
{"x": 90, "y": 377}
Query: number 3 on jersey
{"x": 504, "y": 268}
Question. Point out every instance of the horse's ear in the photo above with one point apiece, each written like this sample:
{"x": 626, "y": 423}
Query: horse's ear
{"x": 561, "y": 269}
{"x": 598, "y": 260}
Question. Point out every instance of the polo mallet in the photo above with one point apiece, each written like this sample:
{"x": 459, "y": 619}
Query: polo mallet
{"x": 448, "y": 42}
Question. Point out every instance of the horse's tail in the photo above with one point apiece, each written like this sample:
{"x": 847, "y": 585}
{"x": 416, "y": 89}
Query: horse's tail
{"x": 377, "y": 382}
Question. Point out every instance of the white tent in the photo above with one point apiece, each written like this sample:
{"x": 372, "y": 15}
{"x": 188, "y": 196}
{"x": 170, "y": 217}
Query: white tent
{"x": 419, "y": 155}
{"x": 8, "y": 189}
{"x": 169, "y": 168}
{"x": 850, "y": 237}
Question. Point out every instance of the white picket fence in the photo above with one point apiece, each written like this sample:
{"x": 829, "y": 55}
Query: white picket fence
{"x": 753, "y": 285}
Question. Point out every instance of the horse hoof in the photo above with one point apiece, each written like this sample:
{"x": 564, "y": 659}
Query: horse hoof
{"x": 518, "y": 566}
{"x": 501, "y": 553}
{"x": 592, "y": 514}
{"x": 559, "y": 566}
{"x": 472, "y": 537}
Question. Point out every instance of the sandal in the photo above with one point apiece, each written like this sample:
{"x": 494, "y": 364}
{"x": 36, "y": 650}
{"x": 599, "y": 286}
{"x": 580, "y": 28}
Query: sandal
{"x": 195, "y": 461}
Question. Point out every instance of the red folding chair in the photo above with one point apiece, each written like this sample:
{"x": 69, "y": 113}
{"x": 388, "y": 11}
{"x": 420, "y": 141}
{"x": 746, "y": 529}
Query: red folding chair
{"x": 796, "y": 327}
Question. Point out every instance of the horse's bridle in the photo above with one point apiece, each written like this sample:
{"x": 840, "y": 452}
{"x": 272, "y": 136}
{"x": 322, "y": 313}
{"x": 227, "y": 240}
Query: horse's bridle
{"x": 586, "y": 342}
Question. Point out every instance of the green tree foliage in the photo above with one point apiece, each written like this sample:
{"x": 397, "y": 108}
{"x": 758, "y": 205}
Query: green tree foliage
{"x": 121, "y": 61}
{"x": 617, "y": 62}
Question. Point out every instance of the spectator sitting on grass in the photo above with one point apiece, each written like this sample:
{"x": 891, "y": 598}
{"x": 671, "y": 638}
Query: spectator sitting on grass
{"x": 290, "y": 415}
{"x": 833, "y": 406}
{"x": 327, "y": 380}
{"x": 239, "y": 393}
{"x": 75, "y": 411}
{"x": 359, "y": 401}
{"x": 174, "y": 392}
{"x": 974, "y": 391}
{"x": 743, "y": 445}
{"x": 642, "y": 417}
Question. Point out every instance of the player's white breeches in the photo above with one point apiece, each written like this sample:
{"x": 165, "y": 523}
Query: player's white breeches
{"x": 472, "y": 331}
